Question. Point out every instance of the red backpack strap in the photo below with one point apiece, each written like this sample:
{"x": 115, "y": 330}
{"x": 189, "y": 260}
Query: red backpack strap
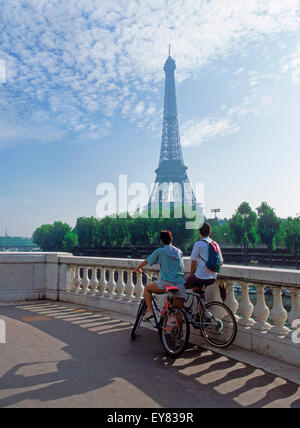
{"x": 216, "y": 247}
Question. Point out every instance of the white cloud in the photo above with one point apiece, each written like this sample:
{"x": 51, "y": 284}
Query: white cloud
{"x": 70, "y": 59}
{"x": 139, "y": 108}
{"x": 239, "y": 71}
{"x": 291, "y": 65}
{"x": 225, "y": 122}
{"x": 196, "y": 131}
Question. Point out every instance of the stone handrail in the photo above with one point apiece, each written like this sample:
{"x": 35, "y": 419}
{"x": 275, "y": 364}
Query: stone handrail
{"x": 111, "y": 284}
{"x": 101, "y": 282}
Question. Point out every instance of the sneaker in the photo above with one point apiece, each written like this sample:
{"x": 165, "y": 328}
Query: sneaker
{"x": 148, "y": 316}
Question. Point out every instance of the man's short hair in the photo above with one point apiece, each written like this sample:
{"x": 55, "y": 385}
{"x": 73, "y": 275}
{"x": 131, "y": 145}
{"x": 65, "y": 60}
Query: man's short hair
{"x": 166, "y": 237}
{"x": 205, "y": 230}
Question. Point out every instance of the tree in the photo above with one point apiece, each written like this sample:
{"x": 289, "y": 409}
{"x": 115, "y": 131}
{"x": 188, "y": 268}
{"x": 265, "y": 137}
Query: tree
{"x": 70, "y": 241}
{"x": 42, "y": 236}
{"x": 139, "y": 229}
{"x": 50, "y": 237}
{"x": 119, "y": 235}
{"x": 59, "y": 231}
{"x": 243, "y": 228}
{"x": 87, "y": 232}
{"x": 268, "y": 227}
{"x": 292, "y": 236}
{"x": 220, "y": 230}
{"x": 104, "y": 232}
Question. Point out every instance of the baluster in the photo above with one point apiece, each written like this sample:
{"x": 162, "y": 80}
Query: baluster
{"x": 139, "y": 288}
{"x": 69, "y": 281}
{"x": 85, "y": 279}
{"x": 111, "y": 285}
{"x": 278, "y": 313}
{"x": 245, "y": 306}
{"x": 295, "y": 311}
{"x": 231, "y": 301}
{"x": 103, "y": 282}
{"x": 76, "y": 279}
{"x": 94, "y": 281}
{"x": 261, "y": 311}
{"x": 150, "y": 275}
{"x": 129, "y": 288}
{"x": 120, "y": 287}
{"x": 212, "y": 293}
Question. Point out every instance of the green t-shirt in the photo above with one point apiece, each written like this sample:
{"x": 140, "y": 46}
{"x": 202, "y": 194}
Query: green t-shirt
{"x": 170, "y": 260}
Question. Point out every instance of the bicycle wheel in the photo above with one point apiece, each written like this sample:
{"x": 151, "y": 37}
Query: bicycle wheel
{"x": 174, "y": 331}
{"x": 218, "y": 324}
{"x": 139, "y": 317}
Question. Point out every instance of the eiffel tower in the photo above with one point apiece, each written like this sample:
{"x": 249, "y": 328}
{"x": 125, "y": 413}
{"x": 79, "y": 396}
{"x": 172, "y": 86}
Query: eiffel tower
{"x": 172, "y": 185}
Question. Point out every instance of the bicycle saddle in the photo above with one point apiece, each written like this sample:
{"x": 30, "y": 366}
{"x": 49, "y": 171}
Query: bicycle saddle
{"x": 172, "y": 289}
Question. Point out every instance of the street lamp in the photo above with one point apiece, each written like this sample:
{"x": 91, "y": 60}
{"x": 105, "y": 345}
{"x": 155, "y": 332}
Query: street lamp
{"x": 216, "y": 210}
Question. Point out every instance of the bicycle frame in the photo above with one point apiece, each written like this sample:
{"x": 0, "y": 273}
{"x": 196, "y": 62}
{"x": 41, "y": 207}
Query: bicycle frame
{"x": 166, "y": 307}
{"x": 201, "y": 302}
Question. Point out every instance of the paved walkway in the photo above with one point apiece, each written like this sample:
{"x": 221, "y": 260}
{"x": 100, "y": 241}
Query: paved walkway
{"x": 58, "y": 355}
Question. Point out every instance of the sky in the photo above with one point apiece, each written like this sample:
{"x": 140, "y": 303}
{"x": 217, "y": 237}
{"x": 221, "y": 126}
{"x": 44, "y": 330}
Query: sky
{"x": 81, "y": 102}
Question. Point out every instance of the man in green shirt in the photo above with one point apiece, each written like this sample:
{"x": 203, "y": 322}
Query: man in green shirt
{"x": 170, "y": 260}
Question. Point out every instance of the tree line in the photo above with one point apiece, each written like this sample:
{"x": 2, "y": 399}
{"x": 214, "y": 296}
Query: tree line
{"x": 246, "y": 228}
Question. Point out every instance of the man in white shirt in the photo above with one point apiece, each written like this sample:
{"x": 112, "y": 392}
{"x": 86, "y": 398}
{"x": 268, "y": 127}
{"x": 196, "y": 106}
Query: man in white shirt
{"x": 200, "y": 275}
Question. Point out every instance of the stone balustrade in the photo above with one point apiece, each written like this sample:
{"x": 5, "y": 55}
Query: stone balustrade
{"x": 111, "y": 284}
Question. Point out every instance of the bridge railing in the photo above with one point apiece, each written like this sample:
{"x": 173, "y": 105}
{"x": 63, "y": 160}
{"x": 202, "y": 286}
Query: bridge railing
{"x": 266, "y": 302}
{"x": 266, "y": 324}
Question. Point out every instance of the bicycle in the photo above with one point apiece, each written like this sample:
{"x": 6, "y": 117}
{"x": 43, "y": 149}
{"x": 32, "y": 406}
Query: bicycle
{"x": 215, "y": 320}
{"x": 171, "y": 322}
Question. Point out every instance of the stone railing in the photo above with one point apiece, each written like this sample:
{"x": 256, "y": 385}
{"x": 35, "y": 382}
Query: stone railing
{"x": 103, "y": 283}
{"x": 111, "y": 284}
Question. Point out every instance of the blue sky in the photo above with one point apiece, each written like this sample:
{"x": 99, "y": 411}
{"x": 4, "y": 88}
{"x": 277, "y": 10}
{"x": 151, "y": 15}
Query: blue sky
{"x": 83, "y": 99}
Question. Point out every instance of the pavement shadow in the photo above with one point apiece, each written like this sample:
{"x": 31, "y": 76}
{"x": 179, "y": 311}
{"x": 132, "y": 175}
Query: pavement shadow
{"x": 102, "y": 367}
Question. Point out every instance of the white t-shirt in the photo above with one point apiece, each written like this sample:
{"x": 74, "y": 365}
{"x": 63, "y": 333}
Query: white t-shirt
{"x": 201, "y": 250}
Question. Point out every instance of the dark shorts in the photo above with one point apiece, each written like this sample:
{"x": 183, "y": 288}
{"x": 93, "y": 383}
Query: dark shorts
{"x": 192, "y": 281}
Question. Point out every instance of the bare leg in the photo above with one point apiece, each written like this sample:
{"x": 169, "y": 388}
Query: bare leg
{"x": 148, "y": 290}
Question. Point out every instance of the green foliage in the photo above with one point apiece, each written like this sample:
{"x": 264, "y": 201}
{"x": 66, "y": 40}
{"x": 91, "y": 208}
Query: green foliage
{"x": 50, "y": 237}
{"x": 87, "y": 231}
{"x": 70, "y": 241}
{"x": 243, "y": 226}
{"x": 116, "y": 231}
{"x": 291, "y": 234}
{"x": 268, "y": 225}
{"x": 221, "y": 232}
{"x": 42, "y": 236}
{"x": 142, "y": 231}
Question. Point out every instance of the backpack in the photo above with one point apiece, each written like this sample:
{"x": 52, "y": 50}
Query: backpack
{"x": 214, "y": 261}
